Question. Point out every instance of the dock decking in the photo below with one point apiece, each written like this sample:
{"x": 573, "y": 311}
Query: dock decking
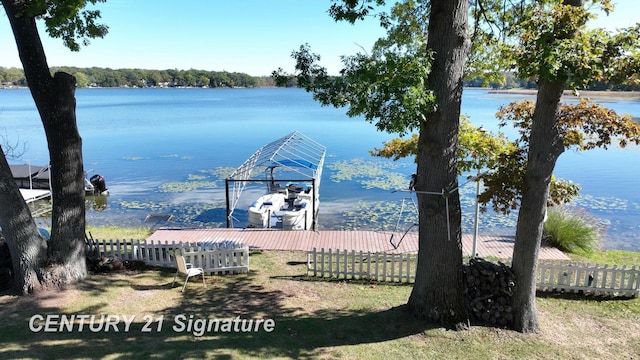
{"x": 366, "y": 241}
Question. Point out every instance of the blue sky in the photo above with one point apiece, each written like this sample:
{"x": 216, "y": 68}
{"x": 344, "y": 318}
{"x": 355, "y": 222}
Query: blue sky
{"x": 250, "y": 36}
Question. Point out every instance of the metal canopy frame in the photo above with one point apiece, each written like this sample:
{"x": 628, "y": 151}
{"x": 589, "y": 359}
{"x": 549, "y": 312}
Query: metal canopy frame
{"x": 296, "y": 156}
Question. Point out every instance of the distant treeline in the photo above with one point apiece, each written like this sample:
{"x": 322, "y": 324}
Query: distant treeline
{"x": 511, "y": 82}
{"x": 105, "y": 77}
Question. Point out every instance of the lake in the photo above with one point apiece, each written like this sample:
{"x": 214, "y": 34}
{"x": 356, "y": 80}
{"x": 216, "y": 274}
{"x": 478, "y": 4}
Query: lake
{"x": 168, "y": 151}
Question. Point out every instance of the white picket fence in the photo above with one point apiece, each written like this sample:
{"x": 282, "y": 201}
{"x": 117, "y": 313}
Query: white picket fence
{"x": 215, "y": 257}
{"x": 221, "y": 258}
{"x": 597, "y": 279}
{"x": 351, "y": 265}
{"x": 551, "y": 275}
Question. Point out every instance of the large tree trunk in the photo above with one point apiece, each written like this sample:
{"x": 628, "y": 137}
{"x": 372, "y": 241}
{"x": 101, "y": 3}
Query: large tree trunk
{"x": 438, "y": 292}
{"x": 545, "y": 145}
{"x": 55, "y": 100}
{"x": 27, "y": 247}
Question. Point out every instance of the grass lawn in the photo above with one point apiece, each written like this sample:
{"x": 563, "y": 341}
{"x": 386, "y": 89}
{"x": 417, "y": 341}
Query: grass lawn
{"x": 313, "y": 319}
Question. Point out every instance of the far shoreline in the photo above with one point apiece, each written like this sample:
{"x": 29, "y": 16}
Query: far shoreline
{"x": 622, "y": 95}
{"x": 607, "y": 94}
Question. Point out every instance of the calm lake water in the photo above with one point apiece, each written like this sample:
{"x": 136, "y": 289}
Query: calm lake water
{"x": 167, "y": 151}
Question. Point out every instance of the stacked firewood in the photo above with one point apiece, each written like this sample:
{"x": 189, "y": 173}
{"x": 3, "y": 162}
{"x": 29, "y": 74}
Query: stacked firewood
{"x": 105, "y": 264}
{"x": 489, "y": 290}
{"x": 99, "y": 263}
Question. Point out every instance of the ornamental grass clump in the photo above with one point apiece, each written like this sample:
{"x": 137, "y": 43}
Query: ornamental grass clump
{"x": 571, "y": 230}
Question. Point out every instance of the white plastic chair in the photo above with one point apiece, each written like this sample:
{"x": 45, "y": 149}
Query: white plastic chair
{"x": 188, "y": 270}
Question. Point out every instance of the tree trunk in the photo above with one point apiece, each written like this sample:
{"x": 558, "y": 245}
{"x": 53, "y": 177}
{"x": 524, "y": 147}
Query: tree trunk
{"x": 438, "y": 292}
{"x": 545, "y": 145}
{"x": 55, "y": 100}
{"x": 18, "y": 226}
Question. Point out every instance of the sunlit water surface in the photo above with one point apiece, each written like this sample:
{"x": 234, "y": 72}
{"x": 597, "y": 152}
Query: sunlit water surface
{"x": 168, "y": 151}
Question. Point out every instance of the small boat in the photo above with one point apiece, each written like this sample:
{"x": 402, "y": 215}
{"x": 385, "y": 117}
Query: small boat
{"x": 291, "y": 169}
{"x": 300, "y": 215}
{"x": 290, "y": 207}
{"x": 35, "y": 177}
{"x": 96, "y": 185}
{"x": 31, "y": 177}
{"x": 261, "y": 210}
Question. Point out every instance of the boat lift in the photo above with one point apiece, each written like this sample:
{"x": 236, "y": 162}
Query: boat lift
{"x": 295, "y": 156}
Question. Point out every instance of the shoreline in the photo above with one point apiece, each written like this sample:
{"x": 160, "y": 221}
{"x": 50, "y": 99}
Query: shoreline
{"x": 621, "y": 95}
{"x": 607, "y": 94}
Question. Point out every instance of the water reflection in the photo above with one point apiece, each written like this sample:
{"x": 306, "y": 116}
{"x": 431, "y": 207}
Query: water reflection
{"x": 167, "y": 152}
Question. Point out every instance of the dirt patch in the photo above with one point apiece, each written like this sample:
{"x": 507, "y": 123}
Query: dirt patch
{"x": 587, "y": 331}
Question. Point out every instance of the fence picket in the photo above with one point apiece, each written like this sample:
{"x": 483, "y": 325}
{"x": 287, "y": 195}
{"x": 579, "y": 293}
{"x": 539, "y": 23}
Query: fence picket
{"x": 635, "y": 278}
{"x": 322, "y": 263}
{"x": 550, "y": 276}
{"x": 392, "y": 276}
{"x": 377, "y": 264}
{"x": 400, "y": 267}
{"x": 625, "y": 280}
{"x": 232, "y": 257}
{"x": 353, "y": 264}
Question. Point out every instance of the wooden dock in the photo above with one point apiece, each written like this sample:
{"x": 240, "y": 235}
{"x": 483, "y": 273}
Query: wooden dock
{"x": 366, "y": 241}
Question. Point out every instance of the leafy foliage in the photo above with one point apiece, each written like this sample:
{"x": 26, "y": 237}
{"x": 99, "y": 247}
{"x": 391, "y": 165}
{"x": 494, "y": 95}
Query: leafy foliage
{"x": 477, "y": 148}
{"x": 587, "y": 125}
{"x": 67, "y": 20}
{"x": 352, "y": 10}
{"x": 397, "y": 148}
{"x": 104, "y": 77}
{"x": 583, "y": 126}
{"x": 562, "y": 191}
{"x": 504, "y": 183}
{"x": 389, "y": 86}
{"x": 554, "y": 44}
{"x": 548, "y": 39}
{"x": 489, "y": 23}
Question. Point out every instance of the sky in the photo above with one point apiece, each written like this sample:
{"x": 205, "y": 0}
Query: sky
{"x": 248, "y": 36}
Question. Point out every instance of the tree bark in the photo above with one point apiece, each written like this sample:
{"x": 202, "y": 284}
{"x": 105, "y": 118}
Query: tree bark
{"x": 545, "y": 146}
{"x": 27, "y": 247}
{"x": 438, "y": 292}
{"x": 55, "y": 100}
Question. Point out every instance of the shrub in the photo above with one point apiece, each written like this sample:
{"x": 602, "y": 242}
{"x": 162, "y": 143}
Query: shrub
{"x": 571, "y": 230}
